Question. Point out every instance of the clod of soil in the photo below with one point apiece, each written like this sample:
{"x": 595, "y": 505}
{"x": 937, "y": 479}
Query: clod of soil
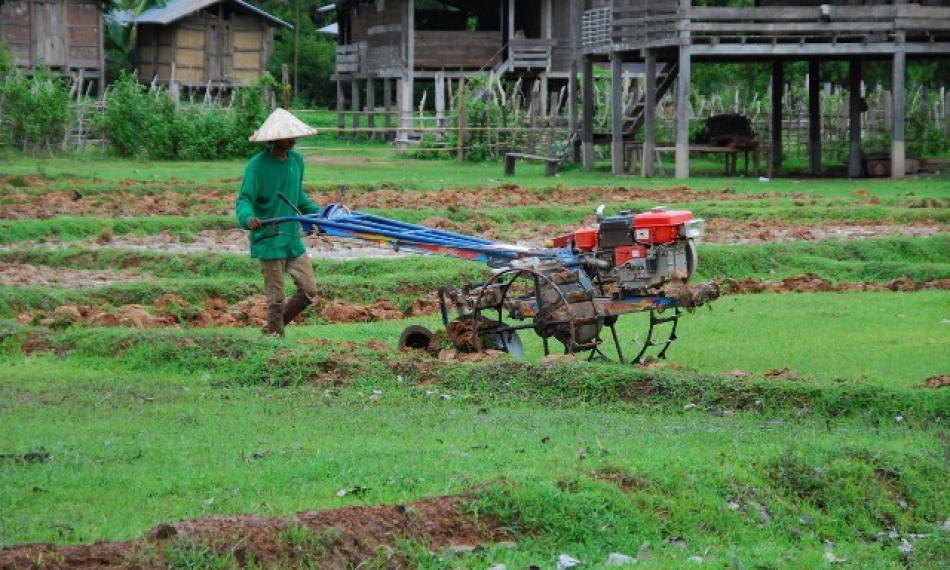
{"x": 333, "y": 539}
{"x": 691, "y": 296}
{"x": 938, "y": 381}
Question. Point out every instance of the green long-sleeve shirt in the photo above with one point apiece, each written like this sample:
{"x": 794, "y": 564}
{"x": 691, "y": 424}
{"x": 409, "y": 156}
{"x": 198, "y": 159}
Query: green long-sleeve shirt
{"x": 265, "y": 178}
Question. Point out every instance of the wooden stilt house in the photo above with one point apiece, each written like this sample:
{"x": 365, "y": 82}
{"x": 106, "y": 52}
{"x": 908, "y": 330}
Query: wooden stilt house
{"x": 400, "y": 43}
{"x": 668, "y": 36}
{"x": 204, "y": 43}
{"x": 64, "y": 36}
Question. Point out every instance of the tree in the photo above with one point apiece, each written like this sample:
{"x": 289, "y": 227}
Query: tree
{"x": 310, "y": 54}
{"x": 120, "y": 35}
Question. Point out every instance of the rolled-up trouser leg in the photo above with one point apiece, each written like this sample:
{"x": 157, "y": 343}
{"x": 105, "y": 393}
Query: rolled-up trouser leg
{"x": 295, "y": 305}
{"x": 301, "y": 271}
{"x": 275, "y": 319}
{"x": 273, "y": 271}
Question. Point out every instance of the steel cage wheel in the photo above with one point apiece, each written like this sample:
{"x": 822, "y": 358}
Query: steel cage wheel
{"x": 530, "y": 288}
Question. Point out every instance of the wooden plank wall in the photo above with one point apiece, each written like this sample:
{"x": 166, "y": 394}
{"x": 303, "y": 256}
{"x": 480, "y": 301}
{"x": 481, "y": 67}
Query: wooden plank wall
{"x": 457, "y": 49}
{"x": 360, "y": 21}
{"x": 561, "y": 27}
{"x": 155, "y": 53}
{"x": 16, "y": 25}
{"x": 232, "y": 51}
{"x": 376, "y": 40}
{"x": 49, "y": 34}
{"x": 189, "y": 53}
{"x": 84, "y": 40}
{"x": 250, "y": 47}
{"x": 65, "y": 35}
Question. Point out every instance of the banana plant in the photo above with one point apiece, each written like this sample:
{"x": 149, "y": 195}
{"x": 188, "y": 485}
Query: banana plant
{"x": 120, "y": 31}
{"x": 119, "y": 28}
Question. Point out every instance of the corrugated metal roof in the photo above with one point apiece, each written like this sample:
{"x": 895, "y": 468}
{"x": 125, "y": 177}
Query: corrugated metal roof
{"x": 175, "y": 10}
{"x": 121, "y": 17}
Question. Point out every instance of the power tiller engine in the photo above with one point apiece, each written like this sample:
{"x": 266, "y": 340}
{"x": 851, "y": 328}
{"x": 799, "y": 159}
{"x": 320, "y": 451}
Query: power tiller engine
{"x": 569, "y": 291}
{"x": 636, "y": 253}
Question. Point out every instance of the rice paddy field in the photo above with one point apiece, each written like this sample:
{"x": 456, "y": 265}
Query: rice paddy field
{"x": 799, "y": 420}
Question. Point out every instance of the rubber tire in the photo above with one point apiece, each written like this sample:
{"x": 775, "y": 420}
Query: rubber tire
{"x": 416, "y": 337}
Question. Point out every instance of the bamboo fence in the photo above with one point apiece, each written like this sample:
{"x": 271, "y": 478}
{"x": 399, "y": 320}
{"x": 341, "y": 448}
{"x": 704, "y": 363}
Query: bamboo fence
{"x": 506, "y": 119}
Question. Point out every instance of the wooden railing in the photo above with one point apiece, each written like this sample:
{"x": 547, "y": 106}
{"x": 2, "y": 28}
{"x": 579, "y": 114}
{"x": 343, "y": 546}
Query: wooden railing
{"x": 648, "y": 23}
{"x": 596, "y": 28}
{"x": 530, "y": 54}
{"x": 348, "y": 57}
{"x": 636, "y": 24}
{"x": 814, "y": 21}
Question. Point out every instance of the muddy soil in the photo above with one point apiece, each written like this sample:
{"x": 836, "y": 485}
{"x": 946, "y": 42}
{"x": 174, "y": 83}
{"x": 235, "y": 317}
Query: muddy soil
{"x": 42, "y": 198}
{"x": 332, "y": 539}
{"x": 35, "y": 198}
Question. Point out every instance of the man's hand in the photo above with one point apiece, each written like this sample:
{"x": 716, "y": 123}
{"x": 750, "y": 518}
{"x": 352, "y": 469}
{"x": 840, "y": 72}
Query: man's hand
{"x": 254, "y": 224}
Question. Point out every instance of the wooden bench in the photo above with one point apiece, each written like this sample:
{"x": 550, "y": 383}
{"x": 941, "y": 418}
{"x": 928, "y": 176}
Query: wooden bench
{"x": 732, "y": 155}
{"x": 550, "y": 167}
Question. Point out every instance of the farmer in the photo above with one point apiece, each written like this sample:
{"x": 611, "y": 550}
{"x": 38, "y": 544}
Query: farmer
{"x": 273, "y": 188}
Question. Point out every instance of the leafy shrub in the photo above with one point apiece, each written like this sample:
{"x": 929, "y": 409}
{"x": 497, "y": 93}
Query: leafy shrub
{"x": 136, "y": 122}
{"x": 142, "y": 122}
{"x": 431, "y": 148}
{"x": 161, "y": 135}
{"x": 204, "y": 133}
{"x": 6, "y": 59}
{"x": 37, "y": 109}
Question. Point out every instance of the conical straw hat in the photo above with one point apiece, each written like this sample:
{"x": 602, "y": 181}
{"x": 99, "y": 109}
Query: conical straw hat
{"x": 282, "y": 125}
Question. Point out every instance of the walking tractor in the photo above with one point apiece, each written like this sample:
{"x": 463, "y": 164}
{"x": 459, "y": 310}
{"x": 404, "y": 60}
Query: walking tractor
{"x": 569, "y": 292}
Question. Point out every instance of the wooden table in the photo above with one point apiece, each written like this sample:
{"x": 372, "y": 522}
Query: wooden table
{"x": 634, "y": 152}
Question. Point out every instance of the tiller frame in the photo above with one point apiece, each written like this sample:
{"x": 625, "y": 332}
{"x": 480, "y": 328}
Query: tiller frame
{"x": 570, "y": 290}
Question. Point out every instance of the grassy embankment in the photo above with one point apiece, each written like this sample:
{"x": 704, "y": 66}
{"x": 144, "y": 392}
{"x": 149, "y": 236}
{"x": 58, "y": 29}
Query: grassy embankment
{"x": 587, "y": 458}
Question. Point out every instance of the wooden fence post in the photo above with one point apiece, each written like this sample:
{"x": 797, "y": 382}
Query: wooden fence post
{"x": 285, "y": 85}
{"x": 460, "y": 145}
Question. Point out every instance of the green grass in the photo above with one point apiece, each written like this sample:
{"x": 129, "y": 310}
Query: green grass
{"x": 496, "y": 220}
{"x": 881, "y": 339}
{"x": 335, "y": 162}
{"x": 128, "y": 452}
{"x": 886, "y": 340}
{"x": 230, "y": 277}
{"x": 879, "y": 259}
{"x": 74, "y": 229}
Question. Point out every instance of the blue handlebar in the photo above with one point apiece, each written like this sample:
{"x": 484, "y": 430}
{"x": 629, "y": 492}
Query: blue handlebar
{"x": 339, "y": 221}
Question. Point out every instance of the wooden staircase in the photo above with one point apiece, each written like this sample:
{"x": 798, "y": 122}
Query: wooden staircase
{"x": 665, "y": 79}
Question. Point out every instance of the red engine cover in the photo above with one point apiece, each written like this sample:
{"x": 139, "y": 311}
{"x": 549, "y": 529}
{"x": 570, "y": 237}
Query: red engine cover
{"x": 585, "y": 239}
{"x": 622, "y": 254}
{"x": 659, "y": 226}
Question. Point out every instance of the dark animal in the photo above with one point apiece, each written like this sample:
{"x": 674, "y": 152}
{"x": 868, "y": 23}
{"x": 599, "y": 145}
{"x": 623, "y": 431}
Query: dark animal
{"x": 723, "y": 130}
